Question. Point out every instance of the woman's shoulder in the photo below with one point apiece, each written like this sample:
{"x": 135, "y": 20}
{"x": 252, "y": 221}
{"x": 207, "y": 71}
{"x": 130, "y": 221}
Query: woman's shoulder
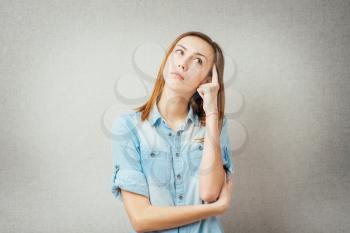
{"x": 130, "y": 115}
{"x": 126, "y": 120}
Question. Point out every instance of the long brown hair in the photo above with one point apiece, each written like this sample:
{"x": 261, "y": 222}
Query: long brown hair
{"x": 196, "y": 101}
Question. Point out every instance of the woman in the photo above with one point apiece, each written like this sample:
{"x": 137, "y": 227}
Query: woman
{"x": 172, "y": 156}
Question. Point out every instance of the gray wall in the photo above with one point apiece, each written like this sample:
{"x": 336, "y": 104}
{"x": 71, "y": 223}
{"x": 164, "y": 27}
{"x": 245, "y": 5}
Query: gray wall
{"x": 289, "y": 99}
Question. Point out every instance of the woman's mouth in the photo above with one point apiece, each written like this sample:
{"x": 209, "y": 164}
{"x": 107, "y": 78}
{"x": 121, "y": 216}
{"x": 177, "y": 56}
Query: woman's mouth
{"x": 176, "y": 75}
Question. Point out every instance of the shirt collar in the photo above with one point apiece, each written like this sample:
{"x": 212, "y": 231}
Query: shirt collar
{"x": 155, "y": 115}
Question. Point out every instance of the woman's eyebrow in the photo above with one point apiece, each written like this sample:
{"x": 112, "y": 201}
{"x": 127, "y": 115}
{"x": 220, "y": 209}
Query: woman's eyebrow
{"x": 194, "y": 53}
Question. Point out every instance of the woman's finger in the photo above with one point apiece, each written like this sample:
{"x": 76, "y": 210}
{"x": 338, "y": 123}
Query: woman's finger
{"x": 215, "y": 75}
{"x": 200, "y": 92}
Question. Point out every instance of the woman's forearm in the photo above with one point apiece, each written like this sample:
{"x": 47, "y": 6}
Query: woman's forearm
{"x": 163, "y": 217}
{"x": 212, "y": 173}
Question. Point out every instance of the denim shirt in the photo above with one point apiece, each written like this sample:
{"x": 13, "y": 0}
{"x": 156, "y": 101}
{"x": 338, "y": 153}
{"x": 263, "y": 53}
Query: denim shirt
{"x": 152, "y": 160}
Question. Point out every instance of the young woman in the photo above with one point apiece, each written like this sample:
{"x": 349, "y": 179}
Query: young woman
{"x": 172, "y": 156}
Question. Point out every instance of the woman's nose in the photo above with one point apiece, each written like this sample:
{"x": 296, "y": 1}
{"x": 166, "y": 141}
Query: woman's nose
{"x": 182, "y": 64}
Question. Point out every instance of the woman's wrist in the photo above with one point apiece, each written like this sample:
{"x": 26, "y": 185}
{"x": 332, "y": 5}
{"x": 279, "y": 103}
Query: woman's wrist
{"x": 212, "y": 113}
{"x": 212, "y": 117}
{"x": 212, "y": 110}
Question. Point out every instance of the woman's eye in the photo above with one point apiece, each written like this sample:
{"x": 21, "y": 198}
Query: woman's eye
{"x": 179, "y": 50}
{"x": 199, "y": 60}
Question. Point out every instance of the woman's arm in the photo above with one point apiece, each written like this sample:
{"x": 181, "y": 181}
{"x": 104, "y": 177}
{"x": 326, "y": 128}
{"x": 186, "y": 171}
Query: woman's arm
{"x": 212, "y": 173}
{"x": 144, "y": 217}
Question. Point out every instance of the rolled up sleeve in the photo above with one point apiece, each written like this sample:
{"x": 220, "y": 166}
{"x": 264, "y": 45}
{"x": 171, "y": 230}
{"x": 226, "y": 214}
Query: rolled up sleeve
{"x": 127, "y": 169}
{"x": 226, "y": 148}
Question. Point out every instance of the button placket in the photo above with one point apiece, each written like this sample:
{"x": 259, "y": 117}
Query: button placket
{"x": 178, "y": 166}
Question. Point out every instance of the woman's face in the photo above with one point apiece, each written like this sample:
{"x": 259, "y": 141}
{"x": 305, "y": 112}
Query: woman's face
{"x": 192, "y": 58}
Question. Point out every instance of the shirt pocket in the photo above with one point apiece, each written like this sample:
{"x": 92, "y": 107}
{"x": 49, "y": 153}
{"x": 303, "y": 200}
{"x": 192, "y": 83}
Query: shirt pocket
{"x": 194, "y": 157}
{"x": 157, "y": 166}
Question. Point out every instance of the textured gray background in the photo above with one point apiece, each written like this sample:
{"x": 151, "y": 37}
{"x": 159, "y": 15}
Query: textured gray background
{"x": 59, "y": 61}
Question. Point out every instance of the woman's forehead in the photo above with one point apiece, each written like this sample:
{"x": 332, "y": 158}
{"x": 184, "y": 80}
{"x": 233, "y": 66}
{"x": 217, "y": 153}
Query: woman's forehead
{"x": 195, "y": 45}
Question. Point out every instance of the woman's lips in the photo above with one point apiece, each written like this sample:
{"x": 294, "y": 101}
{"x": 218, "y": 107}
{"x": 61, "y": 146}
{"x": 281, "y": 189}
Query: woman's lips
{"x": 178, "y": 76}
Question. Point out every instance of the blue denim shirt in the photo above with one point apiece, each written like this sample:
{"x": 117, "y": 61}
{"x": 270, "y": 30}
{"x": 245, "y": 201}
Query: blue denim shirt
{"x": 152, "y": 160}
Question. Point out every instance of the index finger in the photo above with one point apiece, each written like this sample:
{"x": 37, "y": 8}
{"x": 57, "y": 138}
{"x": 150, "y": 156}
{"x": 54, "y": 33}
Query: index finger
{"x": 214, "y": 78}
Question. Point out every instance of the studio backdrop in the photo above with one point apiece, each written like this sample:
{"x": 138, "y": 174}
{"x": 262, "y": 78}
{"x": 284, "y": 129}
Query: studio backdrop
{"x": 68, "y": 68}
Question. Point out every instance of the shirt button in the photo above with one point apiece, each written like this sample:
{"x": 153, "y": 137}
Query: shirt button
{"x": 181, "y": 197}
{"x": 170, "y": 134}
{"x": 178, "y": 133}
{"x": 177, "y": 154}
{"x": 178, "y": 176}
{"x": 200, "y": 147}
{"x": 152, "y": 154}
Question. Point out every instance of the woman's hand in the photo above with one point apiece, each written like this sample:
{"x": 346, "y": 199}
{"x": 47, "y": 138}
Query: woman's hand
{"x": 223, "y": 203}
{"x": 209, "y": 93}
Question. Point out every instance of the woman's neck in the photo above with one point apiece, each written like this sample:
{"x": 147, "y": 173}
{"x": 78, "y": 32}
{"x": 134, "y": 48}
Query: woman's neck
{"x": 173, "y": 106}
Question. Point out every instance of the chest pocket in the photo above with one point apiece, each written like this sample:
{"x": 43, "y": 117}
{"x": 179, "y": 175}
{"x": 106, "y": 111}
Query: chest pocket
{"x": 194, "y": 157}
{"x": 157, "y": 166}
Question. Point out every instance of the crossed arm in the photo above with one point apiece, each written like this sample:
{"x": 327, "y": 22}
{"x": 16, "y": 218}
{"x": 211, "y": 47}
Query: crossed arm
{"x": 145, "y": 217}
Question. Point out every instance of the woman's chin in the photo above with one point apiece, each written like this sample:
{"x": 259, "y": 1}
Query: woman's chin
{"x": 174, "y": 86}
{"x": 174, "y": 83}
{"x": 177, "y": 87}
